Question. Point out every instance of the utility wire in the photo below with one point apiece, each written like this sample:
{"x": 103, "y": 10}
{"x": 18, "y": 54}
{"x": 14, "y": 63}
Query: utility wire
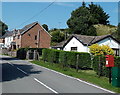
{"x": 36, "y": 14}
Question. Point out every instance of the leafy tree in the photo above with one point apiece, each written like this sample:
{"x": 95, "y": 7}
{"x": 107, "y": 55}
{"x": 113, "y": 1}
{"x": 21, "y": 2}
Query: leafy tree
{"x": 96, "y": 49}
{"x": 118, "y": 30}
{"x": 57, "y": 36}
{"x": 100, "y": 17}
{"x": 45, "y": 27}
{"x": 81, "y": 20}
{"x": 3, "y": 28}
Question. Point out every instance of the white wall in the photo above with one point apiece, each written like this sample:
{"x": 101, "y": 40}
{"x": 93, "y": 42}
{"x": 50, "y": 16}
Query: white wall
{"x": 8, "y": 41}
{"x": 109, "y": 41}
{"x": 81, "y": 48}
{"x": 75, "y": 43}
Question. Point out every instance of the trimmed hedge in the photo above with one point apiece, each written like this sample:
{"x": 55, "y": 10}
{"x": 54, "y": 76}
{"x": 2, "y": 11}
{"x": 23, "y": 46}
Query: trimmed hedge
{"x": 66, "y": 58}
{"x": 117, "y": 61}
{"x": 21, "y": 53}
{"x": 104, "y": 70}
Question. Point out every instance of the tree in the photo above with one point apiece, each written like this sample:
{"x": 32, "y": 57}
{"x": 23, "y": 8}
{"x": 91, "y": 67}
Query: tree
{"x": 45, "y": 27}
{"x": 3, "y": 28}
{"x": 83, "y": 19}
{"x": 57, "y": 36}
{"x": 100, "y": 17}
{"x": 96, "y": 49}
{"x": 118, "y": 30}
{"x": 80, "y": 21}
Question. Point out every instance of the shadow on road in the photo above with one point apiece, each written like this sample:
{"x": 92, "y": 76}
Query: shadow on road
{"x": 10, "y": 72}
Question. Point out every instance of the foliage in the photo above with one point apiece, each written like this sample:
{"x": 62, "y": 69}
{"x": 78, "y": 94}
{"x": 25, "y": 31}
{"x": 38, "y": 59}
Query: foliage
{"x": 98, "y": 65}
{"x": 3, "y": 28}
{"x": 21, "y": 53}
{"x": 57, "y": 36}
{"x": 105, "y": 29}
{"x": 100, "y": 17}
{"x": 45, "y": 27}
{"x": 117, "y": 61}
{"x": 67, "y": 59}
{"x": 83, "y": 19}
{"x": 118, "y": 32}
{"x": 96, "y": 49}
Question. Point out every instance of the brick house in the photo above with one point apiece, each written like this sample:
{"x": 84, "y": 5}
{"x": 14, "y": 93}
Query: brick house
{"x": 31, "y": 36}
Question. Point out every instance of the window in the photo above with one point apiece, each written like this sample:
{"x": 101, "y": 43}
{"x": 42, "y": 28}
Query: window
{"x": 35, "y": 37}
{"x": 18, "y": 46}
{"x": 73, "y": 48}
{"x": 116, "y": 52}
{"x": 18, "y": 36}
{"x": 13, "y": 37}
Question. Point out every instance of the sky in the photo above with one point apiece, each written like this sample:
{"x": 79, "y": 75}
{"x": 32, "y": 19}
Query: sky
{"x": 17, "y": 14}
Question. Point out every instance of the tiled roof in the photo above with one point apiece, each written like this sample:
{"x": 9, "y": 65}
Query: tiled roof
{"x": 89, "y": 39}
{"x": 8, "y": 34}
{"x": 85, "y": 40}
{"x": 25, "y": 28}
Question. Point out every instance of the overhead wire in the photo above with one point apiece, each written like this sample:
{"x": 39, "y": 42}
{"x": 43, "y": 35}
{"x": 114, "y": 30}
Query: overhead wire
{"x": 35, "y": 14}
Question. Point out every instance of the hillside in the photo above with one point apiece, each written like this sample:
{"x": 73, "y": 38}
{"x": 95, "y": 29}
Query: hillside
{"x": 105, "y": 29}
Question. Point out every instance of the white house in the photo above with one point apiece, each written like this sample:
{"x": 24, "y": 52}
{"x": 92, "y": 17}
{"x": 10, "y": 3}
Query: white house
{"x": 80, "y": 43}
{"x": 8, "y": 39}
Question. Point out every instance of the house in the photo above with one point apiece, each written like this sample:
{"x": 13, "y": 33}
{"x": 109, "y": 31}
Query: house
{"x": 80, "y": 43}
{"x": 1, "y": 42}
{"x": 30, "y": 36}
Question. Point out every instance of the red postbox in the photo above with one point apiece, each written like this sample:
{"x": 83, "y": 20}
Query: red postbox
{"x": 109, "y": 61}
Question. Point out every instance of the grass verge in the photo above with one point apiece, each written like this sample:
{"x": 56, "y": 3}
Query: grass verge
{"x": 86, "y": 75}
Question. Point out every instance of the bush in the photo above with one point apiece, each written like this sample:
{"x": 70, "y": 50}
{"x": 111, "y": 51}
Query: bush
{"x": 21, "y": 53}
{"x": 117, "y": 61}
{"x": 66, "y": 58}
{"x": 102, "y": 61}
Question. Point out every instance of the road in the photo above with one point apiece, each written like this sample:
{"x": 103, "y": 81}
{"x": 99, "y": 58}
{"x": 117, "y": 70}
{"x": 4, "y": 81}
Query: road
{"x": 20, "y": 76}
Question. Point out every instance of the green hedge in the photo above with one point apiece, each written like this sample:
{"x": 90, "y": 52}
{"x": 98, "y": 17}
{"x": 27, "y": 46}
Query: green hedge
{"x": 66, "y": 58}
{"x": 21, "y": 53}
{"x": 117, "y": 61}
{"x": 102, "y": 61}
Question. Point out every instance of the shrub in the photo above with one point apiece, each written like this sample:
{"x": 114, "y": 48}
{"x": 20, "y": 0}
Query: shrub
{"x": 102, "y": 61}
{"x": 66, "y": 58}
{"x": 96, "y": 49}
{"x": 117, "y": 61}
{"x": 21, "y": 53}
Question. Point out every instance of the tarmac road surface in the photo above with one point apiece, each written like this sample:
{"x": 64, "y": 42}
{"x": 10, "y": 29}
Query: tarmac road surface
{"x": 21, "y": 76}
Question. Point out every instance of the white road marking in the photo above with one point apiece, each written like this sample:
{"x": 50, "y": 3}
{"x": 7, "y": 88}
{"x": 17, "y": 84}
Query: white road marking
{"x": 22, "y": 71}
{"x": 36, "y": 80}
{"x": 76, "y": 79}
{"x": 46, "y": 86}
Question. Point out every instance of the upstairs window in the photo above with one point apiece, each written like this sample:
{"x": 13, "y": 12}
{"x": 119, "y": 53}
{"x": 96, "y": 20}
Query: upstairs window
{"x": 35, "y": 37}
{"x": 18, "y": 36}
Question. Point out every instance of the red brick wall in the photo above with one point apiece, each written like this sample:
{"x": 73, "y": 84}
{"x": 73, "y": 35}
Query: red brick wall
{"x": 28, "y": 38}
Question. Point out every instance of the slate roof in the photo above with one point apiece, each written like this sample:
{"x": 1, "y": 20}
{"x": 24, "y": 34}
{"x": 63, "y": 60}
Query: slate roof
{"x": 27, "y": 27}
{"x": 22, "y": 31}
{"x": 85, "y": 40}
{"x": 8, "y": 34}
{"x": 89, "y": 39}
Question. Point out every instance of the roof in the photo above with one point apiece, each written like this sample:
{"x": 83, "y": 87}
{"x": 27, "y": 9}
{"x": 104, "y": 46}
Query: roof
{"x": 8, "y": 34}
{"x": 89, "y": 39}
{"x": 27, "y": 27}
{"x": 85, "y": 40}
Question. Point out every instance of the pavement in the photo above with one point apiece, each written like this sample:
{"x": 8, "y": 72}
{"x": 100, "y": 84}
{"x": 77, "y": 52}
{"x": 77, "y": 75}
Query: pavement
{"x": 21, "y": 76}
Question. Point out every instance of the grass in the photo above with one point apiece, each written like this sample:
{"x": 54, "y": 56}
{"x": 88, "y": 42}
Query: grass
{"x": 86, "y": 75}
